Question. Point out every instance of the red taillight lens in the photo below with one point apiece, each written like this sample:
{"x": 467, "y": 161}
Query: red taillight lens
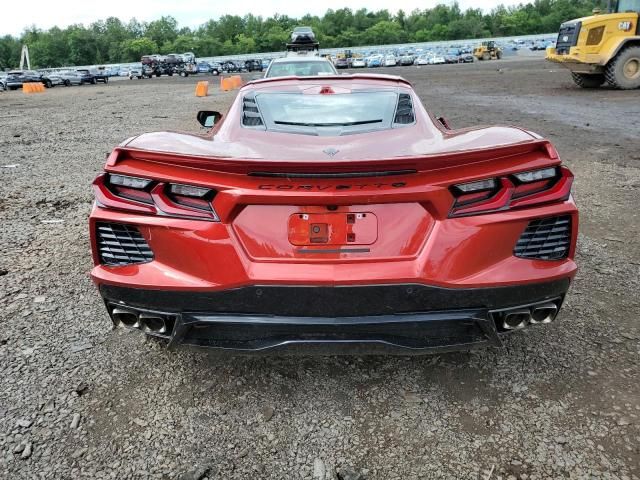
{"x": 149, "y": 196}
{"x": 518, "y": 190}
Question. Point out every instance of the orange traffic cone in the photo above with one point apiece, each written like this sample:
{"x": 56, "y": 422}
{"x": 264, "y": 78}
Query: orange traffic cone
{"x": 202, "y": 89}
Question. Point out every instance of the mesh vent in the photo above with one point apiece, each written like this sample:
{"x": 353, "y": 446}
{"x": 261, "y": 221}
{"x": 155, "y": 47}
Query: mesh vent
{"x": 250, "y": 114}
{"x": 120, "y": 244}
{"x": 545, "y": 239}
{"x": 404, "y": 110}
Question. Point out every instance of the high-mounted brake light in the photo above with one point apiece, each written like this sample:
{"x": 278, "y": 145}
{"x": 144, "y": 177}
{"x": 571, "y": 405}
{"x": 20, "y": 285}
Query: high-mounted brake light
{"x": 521, "y": 189}
{"x": 326, "y": 91}
{"x": 149, "y": 196}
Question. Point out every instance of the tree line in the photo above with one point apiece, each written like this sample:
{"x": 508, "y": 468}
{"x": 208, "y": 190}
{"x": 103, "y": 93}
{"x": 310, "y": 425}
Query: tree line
{"x": 114, "y": 41}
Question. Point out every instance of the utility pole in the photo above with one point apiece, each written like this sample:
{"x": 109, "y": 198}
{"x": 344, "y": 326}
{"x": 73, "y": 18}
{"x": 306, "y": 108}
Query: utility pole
{"x": 23, "y": 56}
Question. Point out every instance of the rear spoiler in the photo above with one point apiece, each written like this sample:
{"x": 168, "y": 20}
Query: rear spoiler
{"x": 539, "y": 147}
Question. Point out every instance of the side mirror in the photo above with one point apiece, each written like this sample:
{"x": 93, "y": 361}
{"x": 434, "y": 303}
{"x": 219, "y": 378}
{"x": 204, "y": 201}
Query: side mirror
{"x": 208, "y": 118}
{"x": 444, "y": 122}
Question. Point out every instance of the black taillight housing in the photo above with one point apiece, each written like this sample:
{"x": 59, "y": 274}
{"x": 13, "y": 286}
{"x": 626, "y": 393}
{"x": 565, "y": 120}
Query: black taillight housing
{"x": 522, "y": 189}
{"x": 146, "y": 195}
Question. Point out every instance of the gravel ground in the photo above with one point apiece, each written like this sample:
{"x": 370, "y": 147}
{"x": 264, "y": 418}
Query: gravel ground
{"x": 80, "y": 400}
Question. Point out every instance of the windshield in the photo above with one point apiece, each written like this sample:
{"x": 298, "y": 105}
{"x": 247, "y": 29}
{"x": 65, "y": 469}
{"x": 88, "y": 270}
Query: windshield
{"x": 628, "y": 6}
{"x": 330, "y": 114}
{"x": 301, "y": 69}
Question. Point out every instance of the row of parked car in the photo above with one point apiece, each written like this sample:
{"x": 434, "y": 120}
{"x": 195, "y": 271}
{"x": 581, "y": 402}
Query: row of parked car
{"x": 390, "y": 60}
{"x": 159, "y": 68}
{"x": 15, "y": 79}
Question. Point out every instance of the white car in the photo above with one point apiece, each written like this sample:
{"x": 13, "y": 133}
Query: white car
{"x": 421, "y": 60}
{"x": 300, "y": 67}
{"x": 135, "y": 72}
{"x": 358, "y": 63}
{"x": 437, "y": 60}
{"x": 389, "y": 61}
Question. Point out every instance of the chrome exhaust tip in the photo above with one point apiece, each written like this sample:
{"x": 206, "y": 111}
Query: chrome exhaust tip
{"x": 544, "y": 313}
{"x": 516, "y": 319}
{"x": 153, "y": 323}
{"x": 125, "y": 317}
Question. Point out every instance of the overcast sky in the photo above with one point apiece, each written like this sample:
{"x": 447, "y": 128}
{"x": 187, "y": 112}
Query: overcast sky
{"x": 44, "y": 14}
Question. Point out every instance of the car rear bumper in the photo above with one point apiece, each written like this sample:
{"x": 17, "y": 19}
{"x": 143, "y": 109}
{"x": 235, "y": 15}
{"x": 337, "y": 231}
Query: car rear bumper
{"x": 399, "y": 318}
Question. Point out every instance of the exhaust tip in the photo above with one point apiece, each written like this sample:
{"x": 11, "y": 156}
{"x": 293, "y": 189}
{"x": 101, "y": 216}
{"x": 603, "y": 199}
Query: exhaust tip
{"x": 516, "y": 319}
{"x": 544, "y": 313}
{"x": 125, "y": 317}
{"x": 153, "y": 323}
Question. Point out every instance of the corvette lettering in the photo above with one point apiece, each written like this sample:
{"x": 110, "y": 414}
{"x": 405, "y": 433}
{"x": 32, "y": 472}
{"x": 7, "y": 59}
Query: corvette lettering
{"x": 322, "y": 188}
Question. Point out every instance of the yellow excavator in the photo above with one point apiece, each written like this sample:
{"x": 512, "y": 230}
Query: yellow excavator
{"x": 487, "y": 51}
{"x": 604, "y": 47}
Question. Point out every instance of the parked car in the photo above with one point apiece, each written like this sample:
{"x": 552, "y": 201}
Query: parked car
{"x": 421, "y": 60}
{"x": 303, "y": 35}
{"x": 215, "y": 68}
{"x": 358, "y": 62}
{"x": 375, "y": 61}
{"x": 437, "y": 60}
{"x": 253, "y": 65}
{"x": 300, "y": 66}
{"x": 389, "y": 61}
{"x": 341, "y": 62}
{"x": 70, "y": 78}
{"x": 52, "y": 79}
{"x": 452, "y": 56}
{"x": 467, "y": 58}
{"x": 101, "y": 75}
{"x": 16, "y": 78}
{"x": 279, "y": 246}
{"x": 405, "y": 60}
{"x": 204, "y": 67}
{"x": 230, "y": 67}
{"x": 136, "y": 72}
{"x": 86, "y": 76}
{"x": 3, "y": 81}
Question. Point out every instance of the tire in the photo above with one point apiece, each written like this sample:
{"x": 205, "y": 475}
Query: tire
{"x": 587, "y": 80}
{"x": 623, "y": 72}
{"x": 48, "y": 84}
{"x": 486, "y": 56}
{"x": 67, "y": 83}
{"x": 498, "y": 55}
{"x": 215, "y": 72}
{"x": 94, "y": 81}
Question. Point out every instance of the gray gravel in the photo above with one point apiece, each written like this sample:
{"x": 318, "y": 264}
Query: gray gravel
{"x": 80, "y": 400}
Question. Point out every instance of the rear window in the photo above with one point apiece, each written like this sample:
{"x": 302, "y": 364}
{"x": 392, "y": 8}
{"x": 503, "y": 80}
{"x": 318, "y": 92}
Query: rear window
{"x": 300, "y": 69}
{"x": 328, "y": 114}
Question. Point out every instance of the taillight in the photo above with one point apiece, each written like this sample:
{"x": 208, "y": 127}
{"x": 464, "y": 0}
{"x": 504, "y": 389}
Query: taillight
{"x": 522, "y": 189}
{"x": 149, "y": 196}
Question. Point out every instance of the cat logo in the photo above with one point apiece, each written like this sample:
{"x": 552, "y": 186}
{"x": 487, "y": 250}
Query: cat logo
{"x": 625, "y": 26}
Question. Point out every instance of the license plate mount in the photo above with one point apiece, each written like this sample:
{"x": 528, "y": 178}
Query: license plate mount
{"x": 335, "y": 228}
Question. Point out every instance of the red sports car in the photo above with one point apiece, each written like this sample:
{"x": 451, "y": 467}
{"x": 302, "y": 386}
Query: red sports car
{"x": 333, "y": 213}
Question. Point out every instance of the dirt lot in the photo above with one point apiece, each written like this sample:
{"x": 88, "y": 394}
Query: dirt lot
{"x": 78, "y": 400}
